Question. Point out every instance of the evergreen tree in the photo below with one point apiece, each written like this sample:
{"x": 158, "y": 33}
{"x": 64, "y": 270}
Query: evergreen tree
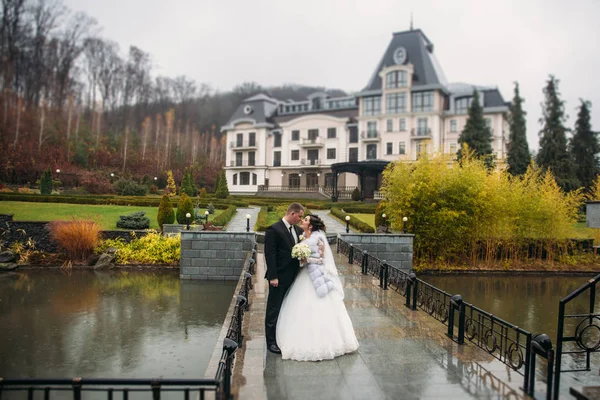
{"x": 476, "y": 132}
{"x": 184, "y": 206}
{"x": 584, "y": 147}
{"x": 165, "y": 211}
{"x": 171, "y": 189}
{"x": 187, "y": 185}
{"x": 222, "y": 190}
{"x": 518, "y": 157}
{"x": 46, "y": 182}
{"x": 553, "y": 154}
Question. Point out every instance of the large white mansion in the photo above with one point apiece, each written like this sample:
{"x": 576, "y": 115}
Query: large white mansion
{"x": 406, "y": 109}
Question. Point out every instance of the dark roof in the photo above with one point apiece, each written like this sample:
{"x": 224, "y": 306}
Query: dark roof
{"x": 493, "y": 98}
{"x": 419, "y": 53}
{"x": 358, "y": 167}
{"x": 345, "y": 113}
{"x": 259, "y": 114}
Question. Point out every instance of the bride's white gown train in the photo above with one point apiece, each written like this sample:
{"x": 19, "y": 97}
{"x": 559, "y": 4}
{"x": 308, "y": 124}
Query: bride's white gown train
{"x": 312, "y": 328}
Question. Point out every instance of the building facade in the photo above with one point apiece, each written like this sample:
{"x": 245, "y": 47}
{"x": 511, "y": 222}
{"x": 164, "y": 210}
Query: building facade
{"x": 407, "y": 109}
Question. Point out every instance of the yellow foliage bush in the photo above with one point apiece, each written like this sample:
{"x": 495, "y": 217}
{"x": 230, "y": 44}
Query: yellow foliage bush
{"x": 153, "y": 248}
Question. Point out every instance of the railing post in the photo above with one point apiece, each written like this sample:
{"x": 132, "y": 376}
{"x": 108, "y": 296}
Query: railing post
{"x": 155, "y": 385}
{"x": 381, "y": 265}
{"x": 456, "y": 303}
{"x": 461, "y": 324}
{"x": 230, "y": 346}
{"x": 76, "y": 388}
{"x": 241, "y": 303}
{"x": 363, "y": 266}
{"x": 351, "y": 254}
{"x": 385, "y": 275}
{"x": 542, "y": 345}
{"x": 415, "y": 294}
{"x": 410, "y": 281}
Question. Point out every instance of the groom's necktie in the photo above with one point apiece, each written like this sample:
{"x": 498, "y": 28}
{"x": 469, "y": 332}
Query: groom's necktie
{"x": 292, "y": 233}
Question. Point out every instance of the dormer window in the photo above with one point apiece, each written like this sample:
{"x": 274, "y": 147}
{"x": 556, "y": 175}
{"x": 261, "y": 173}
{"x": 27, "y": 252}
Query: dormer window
{"x": 463, "y": 104}
{"x": 395, "y": 80}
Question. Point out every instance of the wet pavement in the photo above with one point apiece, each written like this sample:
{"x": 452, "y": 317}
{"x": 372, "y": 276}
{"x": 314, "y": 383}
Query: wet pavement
{"x": 403, "y": 354}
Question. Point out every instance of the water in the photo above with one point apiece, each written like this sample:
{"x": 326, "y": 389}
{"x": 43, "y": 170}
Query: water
{"x": 531, "y": 302}
{"x": 109, "y": 324}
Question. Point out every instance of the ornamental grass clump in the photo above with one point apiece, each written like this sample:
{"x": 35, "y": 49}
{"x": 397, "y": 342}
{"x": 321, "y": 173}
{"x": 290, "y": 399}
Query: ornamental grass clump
{"x": 78, "y": 237}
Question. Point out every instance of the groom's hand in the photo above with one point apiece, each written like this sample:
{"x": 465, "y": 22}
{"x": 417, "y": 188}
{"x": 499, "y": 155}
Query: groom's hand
{"x": 274, "y": 282}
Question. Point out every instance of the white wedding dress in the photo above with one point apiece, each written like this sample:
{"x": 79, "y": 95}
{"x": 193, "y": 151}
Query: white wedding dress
{"x": 313, "y": 328}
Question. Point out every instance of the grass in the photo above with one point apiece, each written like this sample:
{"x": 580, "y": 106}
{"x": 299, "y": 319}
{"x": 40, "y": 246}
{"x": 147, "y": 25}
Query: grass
{"x": 106, "y": 215}
{"x": 366, "y": 218}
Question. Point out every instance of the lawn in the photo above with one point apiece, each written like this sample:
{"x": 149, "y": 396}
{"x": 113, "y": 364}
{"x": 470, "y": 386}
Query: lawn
{"x": 106, "y": 215}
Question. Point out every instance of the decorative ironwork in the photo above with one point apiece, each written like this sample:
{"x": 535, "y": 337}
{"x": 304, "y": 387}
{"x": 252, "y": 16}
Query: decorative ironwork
{"x": 586, "y": 335}
{"x": 433, "y": 301}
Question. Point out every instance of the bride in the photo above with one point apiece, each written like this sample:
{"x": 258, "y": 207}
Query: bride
{"x": 313, "y": 323}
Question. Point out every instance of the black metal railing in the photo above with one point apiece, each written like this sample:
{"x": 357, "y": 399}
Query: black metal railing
{"x": 583, "y": 340}
{"x": 508, "y": 343}
{"x": 199, "y": 388}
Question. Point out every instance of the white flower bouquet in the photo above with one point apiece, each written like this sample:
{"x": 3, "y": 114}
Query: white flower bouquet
{"x": 301, "y": 251}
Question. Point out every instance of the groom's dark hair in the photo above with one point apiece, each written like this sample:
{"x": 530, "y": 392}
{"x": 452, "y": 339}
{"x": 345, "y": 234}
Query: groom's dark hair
{"x": 295, "y": 208}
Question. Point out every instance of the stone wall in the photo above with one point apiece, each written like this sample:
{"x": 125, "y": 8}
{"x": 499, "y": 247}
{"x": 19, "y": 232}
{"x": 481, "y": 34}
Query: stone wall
{"x": 214, "y": 255}
{"x": 170, "y": 229}
{"x": 396, "y": 250}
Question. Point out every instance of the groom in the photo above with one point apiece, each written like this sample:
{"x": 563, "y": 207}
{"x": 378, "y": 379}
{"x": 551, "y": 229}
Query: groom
{"x": 281, "y": 267}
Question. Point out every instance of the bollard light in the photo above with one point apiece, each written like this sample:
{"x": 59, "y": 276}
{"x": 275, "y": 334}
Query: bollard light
{"x": 383, "y": 216}
{"x": 155, "y": 178}
{"x": 206, "y": 213}
{"x": 248, "y": 222}
{"x": 187, "y": 217}
{"x": 347, "y": 224}
{"x": 404, "y": 224}
{"x": 57, "y": 170}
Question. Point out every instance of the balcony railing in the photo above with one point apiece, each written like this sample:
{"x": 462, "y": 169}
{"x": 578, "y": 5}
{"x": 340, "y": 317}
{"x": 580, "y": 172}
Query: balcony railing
{"x": 421, "y": 132}
{"x": 243, "y": 144}
{"x": 312, "y": 142}
{"x": 310, "y": 161}
{"x": 242, "y": 163}
{"x": 292, "y": 188}
{"x": 369, "y": 136}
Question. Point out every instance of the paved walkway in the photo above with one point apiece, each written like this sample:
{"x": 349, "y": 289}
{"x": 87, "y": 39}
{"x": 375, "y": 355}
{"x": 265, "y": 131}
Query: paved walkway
{"x": 403, "y": 354}
{"x": 239, "y": 222}
{"x": 333, "y": 225}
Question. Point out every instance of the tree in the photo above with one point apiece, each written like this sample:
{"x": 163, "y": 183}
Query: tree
{"x": 171, "y": 189}
{"x": 476, "y": 132}
{"x": 165, "y": 211}
{"x": 584, "y": 147}
{"x": 553, "y": 154}
{"x": 187, "y": 184}
{"x": 184, "y": 207}
{"x": 46, "y": 182}
{"x": 518, "y": 157}
{"x": 222, "y": 190}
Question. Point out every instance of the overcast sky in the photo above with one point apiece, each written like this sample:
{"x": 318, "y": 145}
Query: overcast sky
{"x": 338, "y": 43}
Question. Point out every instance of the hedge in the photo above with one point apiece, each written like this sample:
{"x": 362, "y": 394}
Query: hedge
{"x": 354, "y": 222}
{"x": 226, "y": 216}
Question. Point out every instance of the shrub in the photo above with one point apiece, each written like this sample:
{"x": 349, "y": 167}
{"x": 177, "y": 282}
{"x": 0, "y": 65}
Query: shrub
{"x": 46, "y": 182}
{"x": 153, "y": 248}
{"x": 354, "y": 222}
{"x": 187, "y": 185}
{"x": 226, "y": 216}
{"x": 165, "y": 211}
{"x": 210, "y": 208}
{"x": 78, "y": 237}
{"x": 202, "y": 193}
{"x": 184, "y": 206}
{"x": 136, "y": 220}
{"x": 128, "y": 187}
{"x": 95, "y": 183}
{"x": 355, "y": 194}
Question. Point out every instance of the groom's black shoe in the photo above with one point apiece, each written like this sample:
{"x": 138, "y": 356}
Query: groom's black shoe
{"x": 273, "y": 348}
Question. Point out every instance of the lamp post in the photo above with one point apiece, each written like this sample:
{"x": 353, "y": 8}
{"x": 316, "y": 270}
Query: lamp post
{"x": 248, "y": 222}
{"x": 404, "y": 224}
{"x": 206, "y": 213}
{"x": 187, "y": 217}
{"x": 347, "y": 224}
{"x": 385, "y": 227}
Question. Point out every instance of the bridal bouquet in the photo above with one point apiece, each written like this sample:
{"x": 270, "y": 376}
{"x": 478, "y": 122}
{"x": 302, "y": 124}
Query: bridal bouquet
{"x": 301, "y": 251}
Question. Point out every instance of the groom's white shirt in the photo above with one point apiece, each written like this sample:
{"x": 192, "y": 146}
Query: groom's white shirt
{"x": 287, "y": 226}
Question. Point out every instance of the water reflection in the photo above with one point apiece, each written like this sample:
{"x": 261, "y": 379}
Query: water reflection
{"x": 109, "y": 324}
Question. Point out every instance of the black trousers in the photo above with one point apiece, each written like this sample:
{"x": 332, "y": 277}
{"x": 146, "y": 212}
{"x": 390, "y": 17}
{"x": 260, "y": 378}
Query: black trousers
{"x": 274, "y": 301}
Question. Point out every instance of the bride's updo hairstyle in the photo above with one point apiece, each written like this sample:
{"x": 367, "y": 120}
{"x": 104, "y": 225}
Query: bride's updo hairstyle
{"x": 316, "y": 223}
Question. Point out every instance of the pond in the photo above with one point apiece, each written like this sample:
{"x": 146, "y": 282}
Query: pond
{"x": 128, "y": 324}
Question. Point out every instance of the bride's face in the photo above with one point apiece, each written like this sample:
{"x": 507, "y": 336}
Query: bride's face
{"x": 305, "y": 224}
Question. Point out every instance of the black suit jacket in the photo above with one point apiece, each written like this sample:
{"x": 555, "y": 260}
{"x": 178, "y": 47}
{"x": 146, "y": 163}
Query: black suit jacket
{"x": 278, "y": 253}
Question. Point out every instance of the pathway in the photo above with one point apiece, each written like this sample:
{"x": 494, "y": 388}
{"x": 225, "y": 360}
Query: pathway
{"x": 403, "y": 354}
{"x": 239, "y": 222}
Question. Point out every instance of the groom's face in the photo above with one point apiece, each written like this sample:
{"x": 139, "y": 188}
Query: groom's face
{"x": 296, "y": 217}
